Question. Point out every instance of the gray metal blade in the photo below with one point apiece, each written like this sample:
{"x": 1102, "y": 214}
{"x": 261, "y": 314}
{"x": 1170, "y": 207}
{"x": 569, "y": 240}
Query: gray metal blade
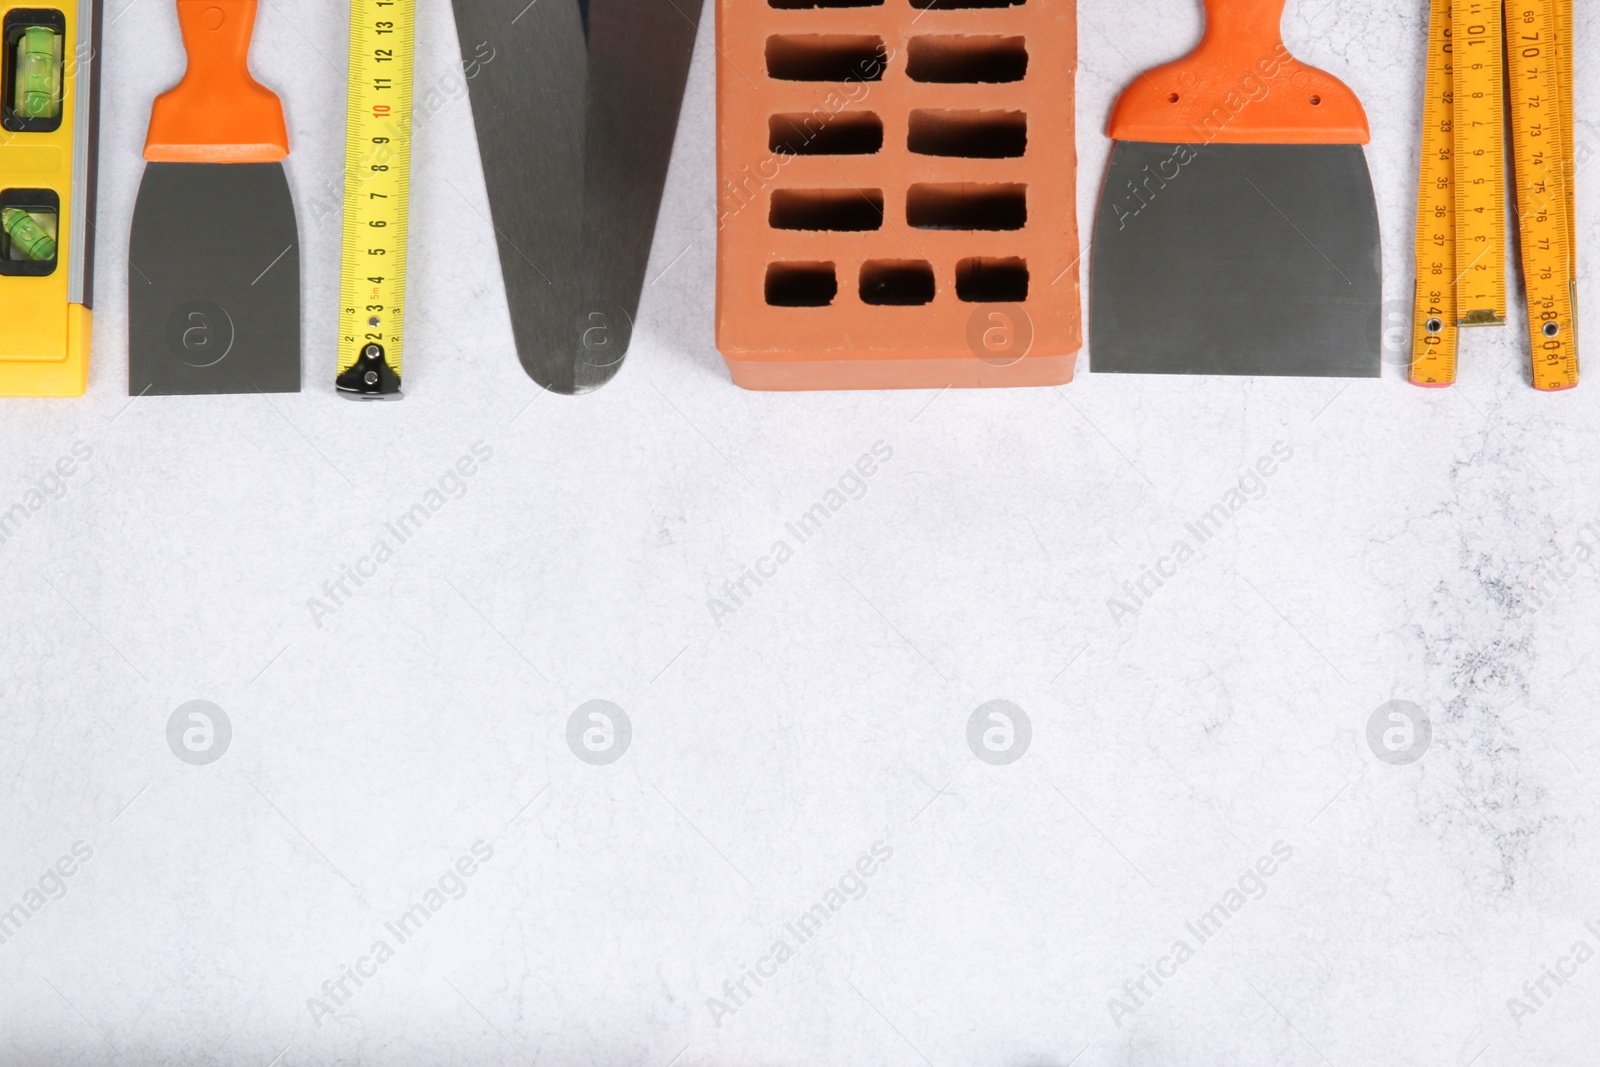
{"x": 639, "y": 56}
{"x": 1237, "y": 259}
{"x": 213, "y": 281}
{"x": 528, "y": 108}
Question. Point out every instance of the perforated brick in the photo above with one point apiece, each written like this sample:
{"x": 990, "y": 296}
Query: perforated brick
{"x": 896, "y": 193}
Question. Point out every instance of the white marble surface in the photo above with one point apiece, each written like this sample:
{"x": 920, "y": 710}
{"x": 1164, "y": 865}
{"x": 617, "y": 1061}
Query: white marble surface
{"x": 1407, "y": 549}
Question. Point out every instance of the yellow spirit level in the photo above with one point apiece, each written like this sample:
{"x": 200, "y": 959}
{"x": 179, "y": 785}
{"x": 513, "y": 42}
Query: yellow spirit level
{"x": 49, "y": 122}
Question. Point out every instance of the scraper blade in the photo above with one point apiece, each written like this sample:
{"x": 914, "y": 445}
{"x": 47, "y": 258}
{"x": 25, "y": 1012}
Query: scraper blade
{"x": 1253, "y": 259}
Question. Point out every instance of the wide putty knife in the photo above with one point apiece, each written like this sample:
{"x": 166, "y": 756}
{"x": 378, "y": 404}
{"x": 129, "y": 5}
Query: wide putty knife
{"x": 1237, "y": 231}
{"x": 576, "y": 116}
{"x": 214, "y": 278}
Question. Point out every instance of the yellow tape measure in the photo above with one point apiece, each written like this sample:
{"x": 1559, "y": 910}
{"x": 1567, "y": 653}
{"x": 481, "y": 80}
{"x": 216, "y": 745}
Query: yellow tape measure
{"x": 377, "y": 193}
{"x": 1461, "y": 231}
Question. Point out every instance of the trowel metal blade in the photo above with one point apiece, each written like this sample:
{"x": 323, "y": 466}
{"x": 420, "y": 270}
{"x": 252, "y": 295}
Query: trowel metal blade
{"x": 527, "y": 73}
{"x": 1237, "y": 259}
{"x": 576, "y": 116}
{"x": 639, "y": 56}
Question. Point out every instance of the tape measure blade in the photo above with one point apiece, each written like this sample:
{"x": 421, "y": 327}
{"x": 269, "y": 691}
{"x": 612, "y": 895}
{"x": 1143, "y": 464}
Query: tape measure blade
{"x": 1434, "y": 331}
{"x": 372, "y": 273}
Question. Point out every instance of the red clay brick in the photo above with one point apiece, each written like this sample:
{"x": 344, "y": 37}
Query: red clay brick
{"x": 831, "y": 227}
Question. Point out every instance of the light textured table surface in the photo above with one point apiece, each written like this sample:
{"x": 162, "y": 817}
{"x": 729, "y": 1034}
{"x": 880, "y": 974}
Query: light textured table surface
{"x": 1440, "y": 548}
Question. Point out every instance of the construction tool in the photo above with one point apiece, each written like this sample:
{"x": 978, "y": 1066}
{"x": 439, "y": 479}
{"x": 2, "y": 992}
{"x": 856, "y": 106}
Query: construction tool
{"x": 214, "y": 258}
{"x": 528, "y": 105}
{"x": 377, "y": 196}
{"x": 1237, "y": 231}
{"x": 49, "y": 132}
{"x": 1480, "y": 163}
{"x": 896, "y": 194}
{"x": 1435, "y": 341}
{"x": 576, "y": 113}
{"x": 638, "y": 66}
{"x": 1461, "y": 227}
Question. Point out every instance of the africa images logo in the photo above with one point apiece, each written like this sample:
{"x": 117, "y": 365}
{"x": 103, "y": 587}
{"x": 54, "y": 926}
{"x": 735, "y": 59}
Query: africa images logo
{"x": 199, "y": 733}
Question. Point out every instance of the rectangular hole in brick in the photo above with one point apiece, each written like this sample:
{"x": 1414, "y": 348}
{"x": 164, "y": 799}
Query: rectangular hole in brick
{"x": 802, "y": 5}
{"x": 824, "y": 58}
{"x": 992, "y": 281}
{"x": 826, "y": 209}
{"x": 966, "y": 59}
{"x": 822, "y": 134}
{"x": 902, "y": 282}
{"x": 968, "y": 134}
{"x": 801, "y": 285}
{"x": 950, "y": 5}
{"x": 967, "y": 206}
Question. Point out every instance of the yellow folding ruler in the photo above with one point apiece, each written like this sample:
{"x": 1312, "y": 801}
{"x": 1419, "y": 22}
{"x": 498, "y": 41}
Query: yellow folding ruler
{"x": 377, "y": 193}
{"x": 1539, "y": 68}
{"x": 1475, "y": 48}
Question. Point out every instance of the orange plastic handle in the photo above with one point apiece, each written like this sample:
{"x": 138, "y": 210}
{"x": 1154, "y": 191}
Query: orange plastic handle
{"x": 218, "y": 113}
{"x": 1239, "y": 86}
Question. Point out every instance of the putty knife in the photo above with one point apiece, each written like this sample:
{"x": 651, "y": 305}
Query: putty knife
{"x": 214, "y": 278}
{"x": 576, "y": 115}
{"x": 1237, "y": 231}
